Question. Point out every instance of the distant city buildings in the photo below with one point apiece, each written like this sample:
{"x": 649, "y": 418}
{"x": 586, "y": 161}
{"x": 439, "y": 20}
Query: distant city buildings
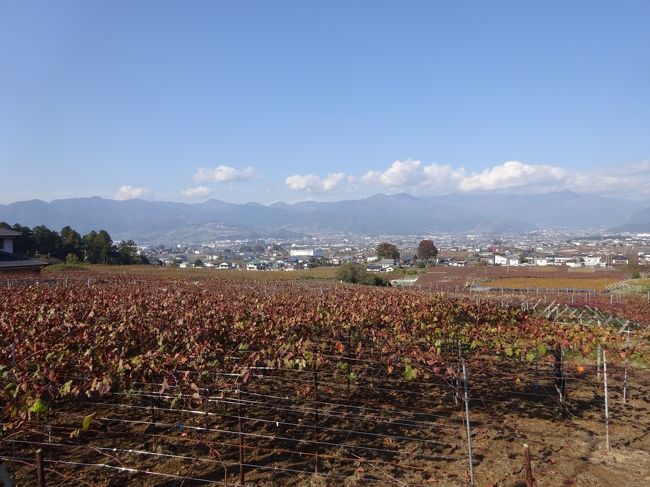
{"x": 553, "y": 247}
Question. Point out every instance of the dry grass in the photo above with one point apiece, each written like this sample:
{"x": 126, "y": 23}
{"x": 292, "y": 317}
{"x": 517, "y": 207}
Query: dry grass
{"x": 640, "y": 285}
{"x": 326, "y": 273}
{"x": 552, "y": 283}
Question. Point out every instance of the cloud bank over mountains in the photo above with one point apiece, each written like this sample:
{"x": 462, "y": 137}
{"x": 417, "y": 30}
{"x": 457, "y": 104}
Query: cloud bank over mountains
{"x": 413, "y": 176}
{"x": 224, "y": 174}
{"x": 131, "y": 192}
{"x": 316, "y": 184}
{"x": 197, "y": 192}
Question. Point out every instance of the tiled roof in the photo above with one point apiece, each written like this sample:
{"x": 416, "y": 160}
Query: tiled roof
{"x": 13, "y": 261}
{"x": 5, "y": 232}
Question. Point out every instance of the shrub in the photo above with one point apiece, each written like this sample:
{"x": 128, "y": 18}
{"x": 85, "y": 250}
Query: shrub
{"x": 357, "y": 274}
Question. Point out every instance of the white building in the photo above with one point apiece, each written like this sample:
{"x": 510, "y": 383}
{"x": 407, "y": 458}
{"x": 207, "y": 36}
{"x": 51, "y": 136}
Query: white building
{"x": 506, "y": 260}
{"x": 541, "y": 261}
{"x": 592, "y": 260}
{"x": 306, "y": 252}
{"x": 563, "y": 259}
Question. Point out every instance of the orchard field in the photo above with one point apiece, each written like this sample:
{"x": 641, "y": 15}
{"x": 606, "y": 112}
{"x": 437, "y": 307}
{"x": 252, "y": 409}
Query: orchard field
{"x": 170, "y": 379}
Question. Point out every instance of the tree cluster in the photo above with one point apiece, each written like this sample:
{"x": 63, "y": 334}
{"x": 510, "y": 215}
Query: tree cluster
{"x": 357, "y": 274}
{"x": 68, "y": 245}
{"x": 386, "y": 250}
{"x": 427, "y": 250}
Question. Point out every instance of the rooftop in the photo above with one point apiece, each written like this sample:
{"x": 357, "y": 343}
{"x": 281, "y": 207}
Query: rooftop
{"x": 13, "y": 261}
{"x": 5, "y": 232}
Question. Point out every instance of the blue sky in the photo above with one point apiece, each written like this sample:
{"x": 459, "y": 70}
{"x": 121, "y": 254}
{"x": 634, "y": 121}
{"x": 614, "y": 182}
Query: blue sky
{"x": 281, "y": 100}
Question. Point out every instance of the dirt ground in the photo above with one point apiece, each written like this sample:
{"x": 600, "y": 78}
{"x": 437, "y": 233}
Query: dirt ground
{"x": 383, "y": 432}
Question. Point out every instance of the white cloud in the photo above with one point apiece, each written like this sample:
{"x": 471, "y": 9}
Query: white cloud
{"x": 224, "y": 174}
{"x": 411, "y": 175}
{"x": 197, "y": 192}
{"x": 441, "y": 178}
{"x": 400, "y": 174}
{"x": 513, "y": 175}
{"x": 315, "y": 184}
{"x": 130, "y": 192}
{"x": 631, "y": 180}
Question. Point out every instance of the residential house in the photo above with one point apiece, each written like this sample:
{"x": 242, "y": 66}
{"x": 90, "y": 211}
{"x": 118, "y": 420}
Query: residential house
{"x": 592, "y": 260}
{"x": 620, "y": 260}
{"x": 385, "y": 263}
{"x": 562, "y": 259}
{"x": 540, "y": 261}
{"x": 408, "y": 257}
{"x": 487, "y": 258}
{"x": 256, "y": 265}
{"x": 11, "y": 262}
{"x": 506, "y": 260}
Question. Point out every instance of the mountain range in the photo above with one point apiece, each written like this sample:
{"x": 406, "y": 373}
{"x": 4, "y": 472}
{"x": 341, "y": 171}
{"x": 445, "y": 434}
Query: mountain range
{"x": 381, "y": 214}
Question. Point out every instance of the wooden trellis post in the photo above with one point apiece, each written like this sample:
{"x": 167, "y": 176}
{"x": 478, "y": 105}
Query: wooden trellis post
{"x": 40, "y": 470}
{"x": 469, "y": 430}
{"x": 241, "y": 437}
{"x": 627, "y": 344}
{"x": 606, "y": 402}
{"x": 316, "y": 406}
{"x": 530, "y": 482}
{"x": 560, "y": 379}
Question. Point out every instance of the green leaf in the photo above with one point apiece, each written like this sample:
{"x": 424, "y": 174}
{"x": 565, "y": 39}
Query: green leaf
{"x": 409, "y": 372}
{"x": 65, "y": 389}
{"x": 87, "y": 421}
{"x": 38, "y": 407}
{"x": 530, "y": 356}
{"x": 541, "y": 348}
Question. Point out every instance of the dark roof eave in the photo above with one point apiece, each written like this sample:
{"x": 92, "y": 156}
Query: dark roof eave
{"x": 22, "y": 266}
{"x": 6, "y": 232}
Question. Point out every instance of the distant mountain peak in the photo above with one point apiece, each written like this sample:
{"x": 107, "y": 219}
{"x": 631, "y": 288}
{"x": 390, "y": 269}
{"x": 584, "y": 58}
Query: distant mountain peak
{"x": 379, "y": 214}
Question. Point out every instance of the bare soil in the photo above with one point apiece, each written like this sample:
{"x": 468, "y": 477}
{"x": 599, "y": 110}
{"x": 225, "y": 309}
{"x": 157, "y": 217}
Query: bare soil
{"x": 385, "y": 431}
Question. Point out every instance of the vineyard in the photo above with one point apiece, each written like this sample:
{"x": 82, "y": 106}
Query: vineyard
{"x": 146, "y": 380}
